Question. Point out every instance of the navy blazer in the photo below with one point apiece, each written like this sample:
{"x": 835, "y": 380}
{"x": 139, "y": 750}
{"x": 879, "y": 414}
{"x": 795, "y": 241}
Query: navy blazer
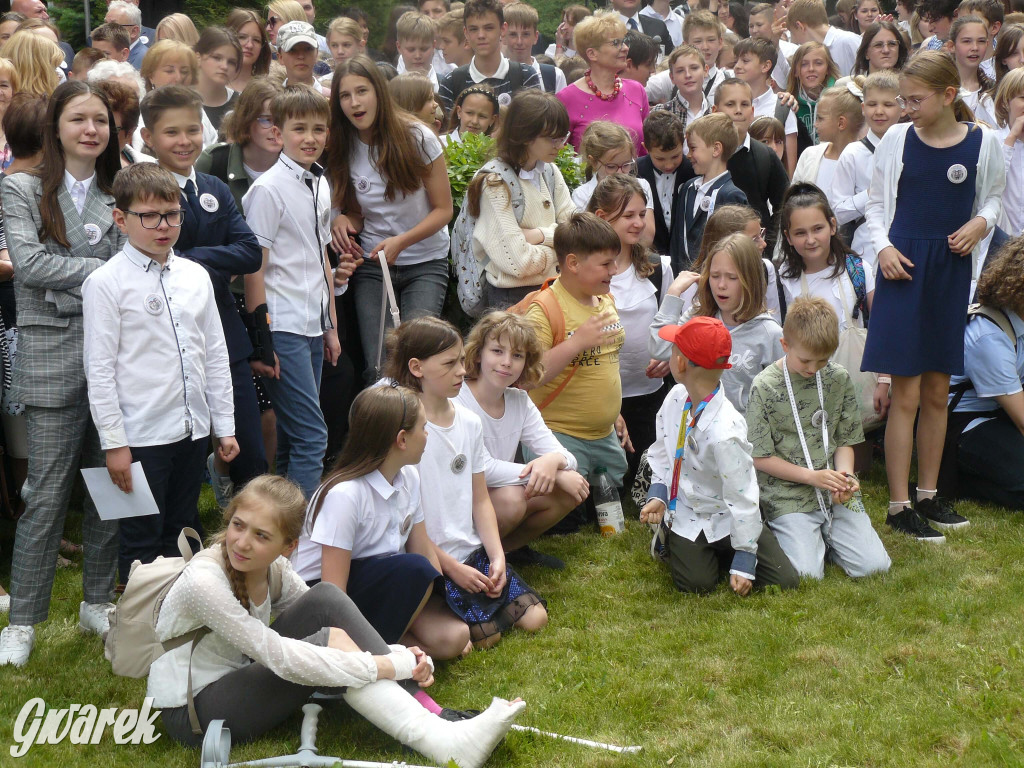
{"x": 686, "y": 239}
{"x": 223, "y": 243}
{"x": 645, "y": 170}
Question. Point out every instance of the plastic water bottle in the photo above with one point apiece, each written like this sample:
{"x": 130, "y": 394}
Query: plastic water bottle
{"x": 606, "y": 500}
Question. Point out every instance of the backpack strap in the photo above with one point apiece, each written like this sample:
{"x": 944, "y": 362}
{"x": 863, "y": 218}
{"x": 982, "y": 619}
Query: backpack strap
{"x": 868, "y": 144}
{"x": 855, "y": 271}
{"x": 193, "y": 716}
{"x": 547, "y": 76}
{"x": 997, "y": 316}
{"x": 516, "y": 78}
{"x": 782, "y": 295}
{"x": 548, "y": 302}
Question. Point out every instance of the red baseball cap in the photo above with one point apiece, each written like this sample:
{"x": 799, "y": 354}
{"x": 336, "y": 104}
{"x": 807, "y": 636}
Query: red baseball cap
{"x": 701, "y": 339}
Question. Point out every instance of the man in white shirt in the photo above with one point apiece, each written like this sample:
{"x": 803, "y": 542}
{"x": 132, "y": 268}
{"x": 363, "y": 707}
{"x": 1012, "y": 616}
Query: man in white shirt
{"x": 703, "y": 481}
{"x": 156, "y": 364}
{"x": 807, "y": 21}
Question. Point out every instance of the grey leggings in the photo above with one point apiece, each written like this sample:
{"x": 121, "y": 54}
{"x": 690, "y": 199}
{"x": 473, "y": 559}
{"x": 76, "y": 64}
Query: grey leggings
{"x": 252, "y": 700}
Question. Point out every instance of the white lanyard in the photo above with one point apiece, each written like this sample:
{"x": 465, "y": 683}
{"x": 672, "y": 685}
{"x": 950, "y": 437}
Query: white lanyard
{"x": 818, "y": 493}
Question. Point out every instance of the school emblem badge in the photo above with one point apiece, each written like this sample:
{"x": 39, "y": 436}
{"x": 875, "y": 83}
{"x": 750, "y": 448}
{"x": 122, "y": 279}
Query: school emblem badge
{"x": 459, "y": 463}
{"x": 209, "y": 203}
{"x": 957, "y": 173}
{"x": 154, "y": 304}
{"x": 363, "y": 184}
{"x": 92, "y": 234}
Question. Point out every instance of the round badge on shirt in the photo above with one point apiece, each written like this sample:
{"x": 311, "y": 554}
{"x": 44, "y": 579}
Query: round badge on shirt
{"x": 705, "y": 204}
{"x": 504, "y": 99}
{"x": 459, "y": 463}
{"x": 818, "y": 418}
{"x": 957, "y": 173}
{"x": 92, "y": 233}
{"x": 363, "y": 184}
{"x": 209, "y": 202}
{"x": 406, "y": 525}
{"x": 154, "y": 304}
{"x": 325, "y": 217}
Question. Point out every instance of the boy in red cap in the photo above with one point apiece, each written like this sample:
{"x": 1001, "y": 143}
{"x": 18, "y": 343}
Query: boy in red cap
{"x": 702, "y": 474}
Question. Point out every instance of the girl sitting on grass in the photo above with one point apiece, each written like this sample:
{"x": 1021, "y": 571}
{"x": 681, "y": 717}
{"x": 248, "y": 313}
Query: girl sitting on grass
{"x": 254, "y": 675}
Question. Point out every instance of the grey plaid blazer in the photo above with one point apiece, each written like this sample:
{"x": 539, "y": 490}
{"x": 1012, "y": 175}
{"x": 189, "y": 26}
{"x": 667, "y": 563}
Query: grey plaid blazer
{"x": 48, "y": 370}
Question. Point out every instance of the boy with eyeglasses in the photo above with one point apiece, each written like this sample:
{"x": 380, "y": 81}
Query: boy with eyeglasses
{"x": 156, "y": 364}
{"x": 215, "y": 235}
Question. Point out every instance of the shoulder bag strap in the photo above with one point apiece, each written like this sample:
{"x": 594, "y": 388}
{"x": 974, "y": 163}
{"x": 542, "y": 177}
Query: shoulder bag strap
{"x": 387, "y": 297}
{"x": 193, "y": 717}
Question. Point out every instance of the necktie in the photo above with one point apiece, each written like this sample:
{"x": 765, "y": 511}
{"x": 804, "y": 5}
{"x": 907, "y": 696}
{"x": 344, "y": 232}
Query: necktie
{"x": 78, "y": 193}
{"x": 632, "y": 24}
{"x": 190, "y": 195}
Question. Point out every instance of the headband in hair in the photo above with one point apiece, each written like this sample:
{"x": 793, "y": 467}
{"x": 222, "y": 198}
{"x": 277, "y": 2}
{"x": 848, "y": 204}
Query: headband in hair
{"x": 475, "y": 89}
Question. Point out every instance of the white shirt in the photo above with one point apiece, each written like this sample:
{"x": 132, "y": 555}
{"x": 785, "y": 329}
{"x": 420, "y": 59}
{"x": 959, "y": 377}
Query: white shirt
{"x": 849, "y": 193}
{"x": 837, "y": 291}
{"x": 718, "y": 494}
{"x": 982, "y": 106}
{"x": 202, "y": 597}
{"x": 636, "y": 303}
{"x": 551, "y": 51}
{"x": 559, "y": 75}
{"x": 521, "y": 423}
{"x": 478, "y": 77}
{"x": 703, "y": 187}
{"x": 673, "y": 21}
{"x": 842, "y": 45}
{"x": 368, "y": 516}
{"x": 765, "y": 105}
{"x": 401, "y": 68}
{"x": 78, "y": 190}
{"x": 287, "y": 217}
{"x": 664, "y": 184}
{"x": 635, "y": 18}
{"x": 781, "y": 72}
{"x": 439, "y": 65}
{"x": 383, "y": 218}
{"x": 1012, "y": 220}
{"x": 582, "y": 194}
{"x": 156, "y": 362}
{"x": 445, "y": 495}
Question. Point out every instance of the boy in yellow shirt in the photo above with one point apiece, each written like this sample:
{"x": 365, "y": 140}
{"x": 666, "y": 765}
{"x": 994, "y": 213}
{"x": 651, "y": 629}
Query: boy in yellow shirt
{"x": 580, "y": 394}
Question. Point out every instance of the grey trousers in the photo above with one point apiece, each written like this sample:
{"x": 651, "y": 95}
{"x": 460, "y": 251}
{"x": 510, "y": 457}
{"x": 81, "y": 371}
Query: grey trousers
{"x": 57, "y": 439}
{"x": 252, "y": 700}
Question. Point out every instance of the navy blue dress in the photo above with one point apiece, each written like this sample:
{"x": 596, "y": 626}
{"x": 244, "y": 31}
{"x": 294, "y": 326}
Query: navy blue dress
{"x": 918, "y": 325}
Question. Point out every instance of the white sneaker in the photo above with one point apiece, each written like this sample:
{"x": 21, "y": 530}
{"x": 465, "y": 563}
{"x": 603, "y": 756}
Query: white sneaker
{"x": 94, "y": 618}
{"x": 16, "y": 643}
{"x": 5, "y": 603}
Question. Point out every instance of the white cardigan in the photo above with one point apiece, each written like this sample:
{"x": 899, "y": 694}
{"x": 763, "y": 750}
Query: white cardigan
{"x": 881, "y": 207}
{"x": 809, "y": 163}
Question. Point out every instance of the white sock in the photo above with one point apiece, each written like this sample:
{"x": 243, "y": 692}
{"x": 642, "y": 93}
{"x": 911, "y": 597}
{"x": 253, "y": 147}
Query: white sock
{"x": 923, "y": 494}
{"x": 895, "y": 507}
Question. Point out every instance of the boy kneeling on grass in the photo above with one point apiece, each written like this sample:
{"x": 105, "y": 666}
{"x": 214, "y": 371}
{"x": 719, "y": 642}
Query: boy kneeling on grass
{"x": 702, "y": 474}
{"x": 803, "y": 421}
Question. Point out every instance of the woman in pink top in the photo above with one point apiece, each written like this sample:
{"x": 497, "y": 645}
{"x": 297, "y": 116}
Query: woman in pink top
{"x": 601, "y": 94}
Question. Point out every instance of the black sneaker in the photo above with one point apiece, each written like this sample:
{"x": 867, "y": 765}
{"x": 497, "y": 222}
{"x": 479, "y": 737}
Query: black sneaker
{"x": 458, "y": 715}
{"x": 940, "y": 514}
{"x": 911, "y": 523}
{"x": 530, "y": 556}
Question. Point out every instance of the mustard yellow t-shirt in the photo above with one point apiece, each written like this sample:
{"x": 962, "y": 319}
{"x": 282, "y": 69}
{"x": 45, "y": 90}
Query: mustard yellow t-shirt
{"x": 589, "y": 404}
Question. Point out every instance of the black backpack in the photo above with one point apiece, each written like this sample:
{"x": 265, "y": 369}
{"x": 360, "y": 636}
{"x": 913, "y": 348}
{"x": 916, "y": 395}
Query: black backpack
{"x": 461, "y": 80}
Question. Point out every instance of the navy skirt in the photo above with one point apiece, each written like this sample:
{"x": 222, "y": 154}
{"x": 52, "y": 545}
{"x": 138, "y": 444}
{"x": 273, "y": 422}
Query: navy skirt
{"x": 485, "y": 615}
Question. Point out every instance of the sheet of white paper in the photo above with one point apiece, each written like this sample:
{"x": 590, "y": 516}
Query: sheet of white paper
{"x": 114, "y": 504}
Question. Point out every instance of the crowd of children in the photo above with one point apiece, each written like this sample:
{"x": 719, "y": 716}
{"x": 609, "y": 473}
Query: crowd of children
{"x": 201, "y": 244}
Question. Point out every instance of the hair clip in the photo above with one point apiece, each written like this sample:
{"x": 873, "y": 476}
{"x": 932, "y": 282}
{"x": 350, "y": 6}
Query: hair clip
{"x": 852, "y": 87}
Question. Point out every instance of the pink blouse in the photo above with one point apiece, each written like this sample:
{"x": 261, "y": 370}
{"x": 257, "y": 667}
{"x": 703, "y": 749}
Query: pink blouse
{"x": 629, "y": 109}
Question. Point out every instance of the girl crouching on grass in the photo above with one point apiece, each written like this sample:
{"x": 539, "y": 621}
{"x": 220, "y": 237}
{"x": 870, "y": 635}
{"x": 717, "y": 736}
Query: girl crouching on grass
{"x": 254, "y": 674}
{"x": 483, "y": 597}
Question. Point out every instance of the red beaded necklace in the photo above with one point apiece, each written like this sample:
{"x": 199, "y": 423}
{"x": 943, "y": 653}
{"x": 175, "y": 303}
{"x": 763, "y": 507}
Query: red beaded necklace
{"x": 597, "y": 91}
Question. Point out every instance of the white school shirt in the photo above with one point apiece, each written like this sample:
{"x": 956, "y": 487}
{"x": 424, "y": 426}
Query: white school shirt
{"x": 636, "y": 303}
{"x": 383, "y": 218}
{"x": 559, "y": 75}
{"x": 781, "y": 72}
{"x": 202, "y": 597}
{"x": 78, "y": 190}
{"x": 672, "y": 21}
{"x": 430, "y": 74}
{"x": 439, "y": 65}
{"x": 842, "y": 46}
{"x": 521, "y": 423}
{"x": 764, "y": 106}
{"x": 982, "y": 106}
{"x": 279, "y": 208}
{"x": 664, "y": 186}
{"x": 368, "y": 516}
{"x": 885, "y": 179}
{"x": 703, "y": 187}
{"x": 582, "y": 194}
{"x": 849, "y": 194}
{"x": 718, "y": 494}
{"x": 156, "y": 362}
{"x": 834, "y": 290}
{"x": 566, "y": 52}
{"x": 1012, "y": 220}
{"x": 445, "y": 495}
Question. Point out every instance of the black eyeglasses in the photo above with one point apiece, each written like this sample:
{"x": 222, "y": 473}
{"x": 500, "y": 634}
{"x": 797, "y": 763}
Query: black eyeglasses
{"x": 153, "y": 220}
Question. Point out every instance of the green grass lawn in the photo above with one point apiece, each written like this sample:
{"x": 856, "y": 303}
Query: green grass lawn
{"x": 920, "y": 667}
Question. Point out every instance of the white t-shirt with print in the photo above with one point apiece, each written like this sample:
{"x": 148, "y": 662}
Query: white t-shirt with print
{"x": 383, "y": 218}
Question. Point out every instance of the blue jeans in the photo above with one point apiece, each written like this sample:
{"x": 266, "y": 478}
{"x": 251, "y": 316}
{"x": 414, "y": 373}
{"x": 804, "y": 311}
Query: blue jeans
{"x": 419, "y": 288}
{"x": 301, "y": 430}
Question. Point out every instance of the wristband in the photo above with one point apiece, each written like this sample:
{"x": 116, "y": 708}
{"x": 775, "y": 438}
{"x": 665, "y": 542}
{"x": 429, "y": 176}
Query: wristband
{"x": 404, "y": 661}
{"x": 885, "y": 379}
{"x": 258, "y": 326}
